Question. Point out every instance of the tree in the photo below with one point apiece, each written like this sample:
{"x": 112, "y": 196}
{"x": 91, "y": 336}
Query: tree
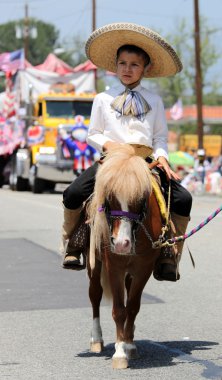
{"x": 183, "y": 84}
{"x": 72, "y": 50}
{"x": 38, "y": 48}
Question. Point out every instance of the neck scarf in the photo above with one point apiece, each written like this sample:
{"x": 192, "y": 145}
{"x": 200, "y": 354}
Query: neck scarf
{"x": 131, "y": 103}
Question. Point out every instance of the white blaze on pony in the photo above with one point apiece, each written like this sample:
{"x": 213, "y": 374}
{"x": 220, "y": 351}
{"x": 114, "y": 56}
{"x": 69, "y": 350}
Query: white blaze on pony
{"x": 121, "y": 243}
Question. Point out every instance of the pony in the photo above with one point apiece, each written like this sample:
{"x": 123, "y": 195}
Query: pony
{"x": 124, "y": 220}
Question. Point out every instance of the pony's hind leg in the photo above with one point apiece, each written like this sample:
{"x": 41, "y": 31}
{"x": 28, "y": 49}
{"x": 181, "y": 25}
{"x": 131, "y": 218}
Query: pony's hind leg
{"x": 95, "y": 295}
{"x": 96, "y": 340}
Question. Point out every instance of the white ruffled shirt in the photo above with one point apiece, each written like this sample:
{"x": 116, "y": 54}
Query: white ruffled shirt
{"x": 106, "y": 125}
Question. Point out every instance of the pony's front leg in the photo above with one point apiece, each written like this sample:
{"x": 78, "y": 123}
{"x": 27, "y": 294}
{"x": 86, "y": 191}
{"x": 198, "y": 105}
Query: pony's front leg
{"x": 95, "y": 295}
{"x": 120, "y": 358}
{"x": 130, "y": 346}
{"x": 134, "y": 293}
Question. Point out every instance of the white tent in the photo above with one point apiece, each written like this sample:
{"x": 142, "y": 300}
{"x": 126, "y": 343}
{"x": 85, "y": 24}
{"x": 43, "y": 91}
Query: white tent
{"x": 39, "y": 81}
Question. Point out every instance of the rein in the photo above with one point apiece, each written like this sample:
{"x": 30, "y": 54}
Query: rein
{"x": 161, "y": 242}
{"x": 194, "y": 230}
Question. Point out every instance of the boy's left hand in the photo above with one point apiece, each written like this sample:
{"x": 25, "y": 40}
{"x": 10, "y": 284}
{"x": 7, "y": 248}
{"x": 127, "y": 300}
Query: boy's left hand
{"x": 163, "y": 163}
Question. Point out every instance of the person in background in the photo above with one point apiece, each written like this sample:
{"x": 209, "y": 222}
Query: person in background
{"x": 201, "y": 164}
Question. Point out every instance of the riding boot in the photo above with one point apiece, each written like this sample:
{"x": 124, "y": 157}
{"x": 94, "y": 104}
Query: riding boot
{"x": 71, "y": 254}
{"x": 180, "y": 223}
{"x": 167, "y": 266}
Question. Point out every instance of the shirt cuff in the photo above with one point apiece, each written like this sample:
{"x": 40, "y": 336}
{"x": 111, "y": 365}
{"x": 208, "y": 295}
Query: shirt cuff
{"x": 161, "y": 153}
{"x": 97, "y": 141}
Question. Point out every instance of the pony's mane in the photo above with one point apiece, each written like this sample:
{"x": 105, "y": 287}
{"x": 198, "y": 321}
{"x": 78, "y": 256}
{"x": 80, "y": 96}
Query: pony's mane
{"x": 123, "y": 175}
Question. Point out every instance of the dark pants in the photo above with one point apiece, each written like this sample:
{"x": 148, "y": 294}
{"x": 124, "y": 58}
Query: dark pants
{"x": 83, "y": 186}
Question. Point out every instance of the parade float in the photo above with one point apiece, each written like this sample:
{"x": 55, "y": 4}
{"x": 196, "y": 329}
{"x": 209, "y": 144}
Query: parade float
{"x": 50, "y": 101}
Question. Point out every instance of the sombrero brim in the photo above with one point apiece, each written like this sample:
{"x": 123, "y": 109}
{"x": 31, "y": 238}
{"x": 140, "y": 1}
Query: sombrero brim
{"x": 102, "y": 46}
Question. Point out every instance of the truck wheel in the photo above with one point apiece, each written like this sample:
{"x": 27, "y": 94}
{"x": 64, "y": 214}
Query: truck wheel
{"x": 37, "y": 184}
{"x": 50, "y": 186}
{"x": 16, "y": 183}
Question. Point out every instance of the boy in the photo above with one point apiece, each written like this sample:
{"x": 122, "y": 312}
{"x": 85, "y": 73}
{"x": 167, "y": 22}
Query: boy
{"x": 129, "y": 114}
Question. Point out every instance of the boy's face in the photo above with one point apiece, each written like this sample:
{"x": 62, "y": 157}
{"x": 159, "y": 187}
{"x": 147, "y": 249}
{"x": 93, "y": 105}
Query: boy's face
{"x": 130, "y": 69}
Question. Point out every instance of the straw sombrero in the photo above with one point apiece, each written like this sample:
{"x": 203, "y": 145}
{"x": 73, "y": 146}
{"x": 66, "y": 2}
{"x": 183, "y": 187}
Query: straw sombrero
{"x": 102, "y": 46}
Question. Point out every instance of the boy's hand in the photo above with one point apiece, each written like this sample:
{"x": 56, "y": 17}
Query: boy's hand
{"x": 163, "y": 163}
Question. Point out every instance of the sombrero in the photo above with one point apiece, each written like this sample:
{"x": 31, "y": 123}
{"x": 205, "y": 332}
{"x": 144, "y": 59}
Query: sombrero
{"x": 103, "y": 43}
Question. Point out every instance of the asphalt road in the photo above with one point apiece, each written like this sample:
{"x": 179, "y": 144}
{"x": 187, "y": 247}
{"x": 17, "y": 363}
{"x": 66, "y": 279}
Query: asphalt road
{"x": 45, "y": 315}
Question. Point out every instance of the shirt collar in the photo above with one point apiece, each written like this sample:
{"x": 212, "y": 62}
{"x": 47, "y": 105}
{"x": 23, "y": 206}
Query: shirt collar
{"x": 137, "y": 88}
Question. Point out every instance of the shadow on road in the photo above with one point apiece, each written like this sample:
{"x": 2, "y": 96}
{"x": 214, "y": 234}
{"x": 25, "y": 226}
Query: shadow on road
{"x": 163, "y": 354}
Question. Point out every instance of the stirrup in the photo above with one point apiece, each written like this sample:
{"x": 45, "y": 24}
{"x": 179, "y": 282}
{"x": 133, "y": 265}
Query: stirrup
{"x": 167, "y": 272}
{"x": 72, "y": 261}
{"x": 166, "y": 267}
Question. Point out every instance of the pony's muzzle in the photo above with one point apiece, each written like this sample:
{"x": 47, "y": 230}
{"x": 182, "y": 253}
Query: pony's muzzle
{"x": 121, "y": 246}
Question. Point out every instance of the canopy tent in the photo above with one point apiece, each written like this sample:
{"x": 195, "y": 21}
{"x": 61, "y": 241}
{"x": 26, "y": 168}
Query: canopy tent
{"x": 181, "y": 158}
{"x": 85, "y": 67}
{"x": 54, "y": 64}
{"x": 89, "y": 66}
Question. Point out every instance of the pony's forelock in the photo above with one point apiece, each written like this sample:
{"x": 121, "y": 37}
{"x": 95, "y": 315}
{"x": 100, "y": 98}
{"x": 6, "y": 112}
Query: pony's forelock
{"x": 123, "y": 175}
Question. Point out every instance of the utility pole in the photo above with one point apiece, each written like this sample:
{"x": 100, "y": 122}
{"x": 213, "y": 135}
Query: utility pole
{"x": 93, "y": 28}
{"x": 198, "y": 76}
{"x": 93, "y": 15}
{"x": 26, "y": 31}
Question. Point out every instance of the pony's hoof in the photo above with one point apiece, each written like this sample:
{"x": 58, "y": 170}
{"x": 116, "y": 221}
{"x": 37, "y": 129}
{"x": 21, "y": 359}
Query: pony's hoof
{"x": 96, "y": 347}
{"x": 119, "y": 363}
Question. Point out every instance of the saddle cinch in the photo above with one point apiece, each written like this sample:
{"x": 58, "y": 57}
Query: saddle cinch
{"x": 81, "y": 236}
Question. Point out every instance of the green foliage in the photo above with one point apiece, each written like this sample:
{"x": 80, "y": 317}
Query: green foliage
{"x": 38, "y": 48}
{"x": 72, "y": 51}
{"x": 183, "y": 84}
{"x": 8, "y": 42}
{"x": 191, "y": 128}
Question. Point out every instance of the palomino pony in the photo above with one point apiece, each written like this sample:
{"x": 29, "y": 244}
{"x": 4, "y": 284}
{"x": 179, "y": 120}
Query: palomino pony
{"x": 125, "y": 219}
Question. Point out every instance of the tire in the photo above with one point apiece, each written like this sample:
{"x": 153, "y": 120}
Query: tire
{"x": 17, "y": 183}
{"x": 50, "y": 186}
{"x": 37, "y": 185}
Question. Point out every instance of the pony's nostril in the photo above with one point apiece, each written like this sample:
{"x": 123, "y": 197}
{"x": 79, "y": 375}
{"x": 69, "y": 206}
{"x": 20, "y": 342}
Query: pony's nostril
{"x": 112, "y": 240}
{"x": 126, "y": 243}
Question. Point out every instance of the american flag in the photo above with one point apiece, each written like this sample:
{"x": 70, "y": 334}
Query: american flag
{"x": 176, "y": 112}
{"x": 12, "y": 61}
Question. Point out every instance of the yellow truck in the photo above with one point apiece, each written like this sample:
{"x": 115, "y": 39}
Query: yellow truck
{"x": 212, "y": 144}
{"x": 41, "y": 163}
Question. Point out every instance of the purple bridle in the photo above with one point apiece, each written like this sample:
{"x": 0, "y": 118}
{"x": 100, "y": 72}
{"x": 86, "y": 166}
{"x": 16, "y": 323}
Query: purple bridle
{"x": 121, "y": 214}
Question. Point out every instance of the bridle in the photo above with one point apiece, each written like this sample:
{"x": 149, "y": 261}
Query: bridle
{"x": 137, "y": 221}
{"x": 134, "y": 218}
